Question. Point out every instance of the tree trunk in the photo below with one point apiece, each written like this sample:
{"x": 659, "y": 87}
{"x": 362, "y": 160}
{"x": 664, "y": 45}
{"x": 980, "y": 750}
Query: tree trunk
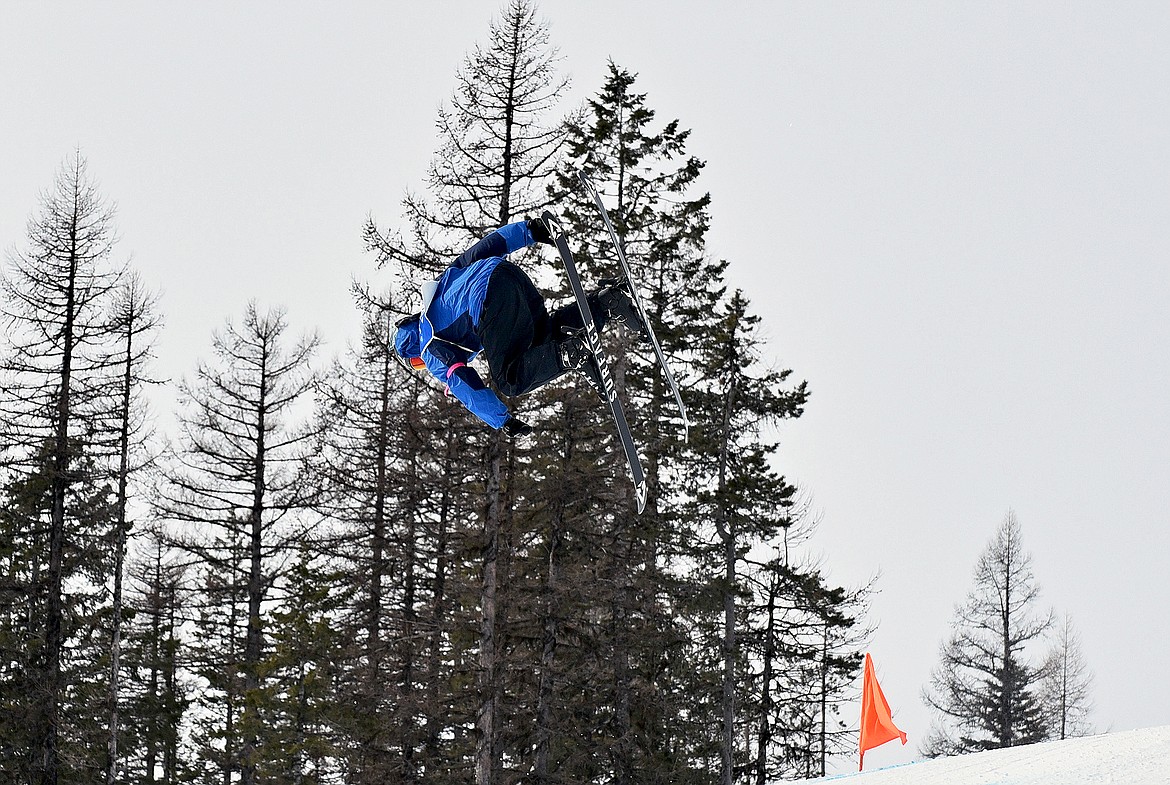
{"x": 726, "y": 529}
{"x": 765, "y": 738}
{"x": 54, "y": 632}
{"x": 824, "y": 697}
{"x": 120, "y": 548}
{"x": 623, "y": 760}
{"x": 547, "y": 656}
{"x": 485, "y": 752}
{"x": 407, "y": 676}
{"x": 252, "y": 640}
{"x": 155, "y": 665}
{"x": 435, "y": 714}
{"x": 549, "y": 625}
{"x": 406, "y": 709}
{"x": 171, "y": 747}
{"x": 729, "y": 556}
{"x": 230, "y": 671}
{"x": 1007, "y": 686}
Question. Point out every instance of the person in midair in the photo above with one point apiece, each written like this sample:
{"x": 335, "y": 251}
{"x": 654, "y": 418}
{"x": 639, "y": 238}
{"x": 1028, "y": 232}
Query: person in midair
{"x": 484, "y": 303}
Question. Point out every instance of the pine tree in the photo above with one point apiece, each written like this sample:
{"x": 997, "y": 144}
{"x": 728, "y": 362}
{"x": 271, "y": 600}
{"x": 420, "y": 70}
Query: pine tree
{"x": 22, "y": 602}
{"x": 156, "y": 693}
{"x": 556, "y": 597}
{"x": 58, "y": 398}
{"x": 300, "y": 666}
{"x": 734, "y": 488}
{"x": 813, "y": 638}
{"x": 392, "y": 501}
{"x": 360, "y": 407}
{"x": 215, "y": 656}
{"x": 647, "y": 179}
{"x": 985, "y": 691}
{"x": 497, "y": 150}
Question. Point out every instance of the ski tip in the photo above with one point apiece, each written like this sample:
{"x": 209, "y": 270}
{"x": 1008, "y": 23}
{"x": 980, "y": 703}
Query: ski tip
{"x": 589, "y": 186}
{"x": 641, "y": 491}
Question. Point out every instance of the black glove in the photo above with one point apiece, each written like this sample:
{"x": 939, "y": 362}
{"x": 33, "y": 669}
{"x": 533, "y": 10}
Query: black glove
{"x": 514, "y": 427}
{"x": 539, "y": 230}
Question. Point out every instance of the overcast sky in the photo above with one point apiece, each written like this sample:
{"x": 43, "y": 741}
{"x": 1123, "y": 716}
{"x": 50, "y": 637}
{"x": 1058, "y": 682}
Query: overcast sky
{"x": 953, "y": 218}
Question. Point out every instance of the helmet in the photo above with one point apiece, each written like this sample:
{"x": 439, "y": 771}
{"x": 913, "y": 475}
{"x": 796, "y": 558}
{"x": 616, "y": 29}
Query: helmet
{"x": 407, "y": 343}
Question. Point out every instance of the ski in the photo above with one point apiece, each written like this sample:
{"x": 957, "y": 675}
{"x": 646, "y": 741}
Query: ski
{"x": 594, "y": 338}
{"x": 637, "y": 299}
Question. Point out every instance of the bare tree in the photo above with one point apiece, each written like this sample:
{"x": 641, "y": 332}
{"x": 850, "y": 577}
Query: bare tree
{"x": 390, "y": 496}
{"x": 984, "y": 689}
{"x": 238, "y": 471}
{"x": 57, "y": 398}
{"x": 497, "y": 147}
{"x": 134, "y": 320}
{"x": 1067, "y": 685}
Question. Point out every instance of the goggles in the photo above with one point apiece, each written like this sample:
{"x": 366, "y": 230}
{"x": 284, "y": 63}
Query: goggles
{"x": 417, "y": 363}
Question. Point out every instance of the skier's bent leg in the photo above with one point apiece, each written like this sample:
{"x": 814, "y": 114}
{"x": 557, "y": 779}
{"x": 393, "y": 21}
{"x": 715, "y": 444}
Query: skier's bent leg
{"x": 567, "y": 318}
{"x": 523, "y": 372}
{"x": 517, "y": 338}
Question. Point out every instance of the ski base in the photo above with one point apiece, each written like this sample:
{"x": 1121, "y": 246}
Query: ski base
{"x": 637, "y": 300}
{"x": 593, "y": 336}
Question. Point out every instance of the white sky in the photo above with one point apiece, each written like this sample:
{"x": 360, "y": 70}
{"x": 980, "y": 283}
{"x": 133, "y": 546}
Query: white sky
{"x": 953, "y": 218}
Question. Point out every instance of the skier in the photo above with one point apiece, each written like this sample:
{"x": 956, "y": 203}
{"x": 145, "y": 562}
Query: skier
{"x": 483, "y": 302}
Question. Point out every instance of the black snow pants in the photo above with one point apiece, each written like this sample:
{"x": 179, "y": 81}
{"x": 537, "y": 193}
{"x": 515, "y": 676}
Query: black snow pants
{"x": 518, "y": 334}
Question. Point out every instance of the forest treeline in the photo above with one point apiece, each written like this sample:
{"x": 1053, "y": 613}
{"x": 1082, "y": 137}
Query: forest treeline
{"x": 329, "y": 572}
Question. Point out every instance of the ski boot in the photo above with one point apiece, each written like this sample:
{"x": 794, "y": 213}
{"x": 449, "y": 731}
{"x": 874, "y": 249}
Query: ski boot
{"x": 614, "y": 297}
{"x": 574, "y": 353}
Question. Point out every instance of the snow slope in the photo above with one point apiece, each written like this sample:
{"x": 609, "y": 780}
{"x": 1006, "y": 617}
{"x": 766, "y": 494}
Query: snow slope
{"x": 1140, "y": 757}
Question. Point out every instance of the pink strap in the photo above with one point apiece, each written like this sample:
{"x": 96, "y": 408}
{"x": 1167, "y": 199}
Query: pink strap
{"x": 450, "y": 371}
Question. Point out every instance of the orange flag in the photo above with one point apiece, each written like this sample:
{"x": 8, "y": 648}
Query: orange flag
{"x": 877, "y": 726}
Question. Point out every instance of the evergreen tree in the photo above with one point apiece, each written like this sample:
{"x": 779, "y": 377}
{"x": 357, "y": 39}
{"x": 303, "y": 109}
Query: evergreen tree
{"x": 156, "y": 693}
{"x": 57, "y": 400}
{"x": 301, "y": 664}
{"x": 394, "y": 506}
{"x": 22, "y": 602}
{"x": 555, "y": 600}
{"x": 360, "y": 408}
{"x": 647, "y": 179}
{"x": 804, "y": 651}
{"x": 985, "y": 690}
{"x": 734, "y": 488}
{"x": 496, "y": 152}
{"x": 215, "y": 657}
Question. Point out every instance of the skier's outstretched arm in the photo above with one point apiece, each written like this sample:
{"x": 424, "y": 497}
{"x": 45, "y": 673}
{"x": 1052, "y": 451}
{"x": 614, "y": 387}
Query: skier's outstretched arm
{"x": 504, "y": 241}
{"x": 468, "y": 388}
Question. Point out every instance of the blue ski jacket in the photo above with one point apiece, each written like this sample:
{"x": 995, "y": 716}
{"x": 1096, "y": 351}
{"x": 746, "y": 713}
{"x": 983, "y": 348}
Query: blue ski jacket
{"x": 450, "y": 314}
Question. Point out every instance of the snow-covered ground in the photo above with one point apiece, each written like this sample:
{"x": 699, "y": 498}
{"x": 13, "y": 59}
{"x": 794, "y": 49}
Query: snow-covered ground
{"x": 1140, "y": 757}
